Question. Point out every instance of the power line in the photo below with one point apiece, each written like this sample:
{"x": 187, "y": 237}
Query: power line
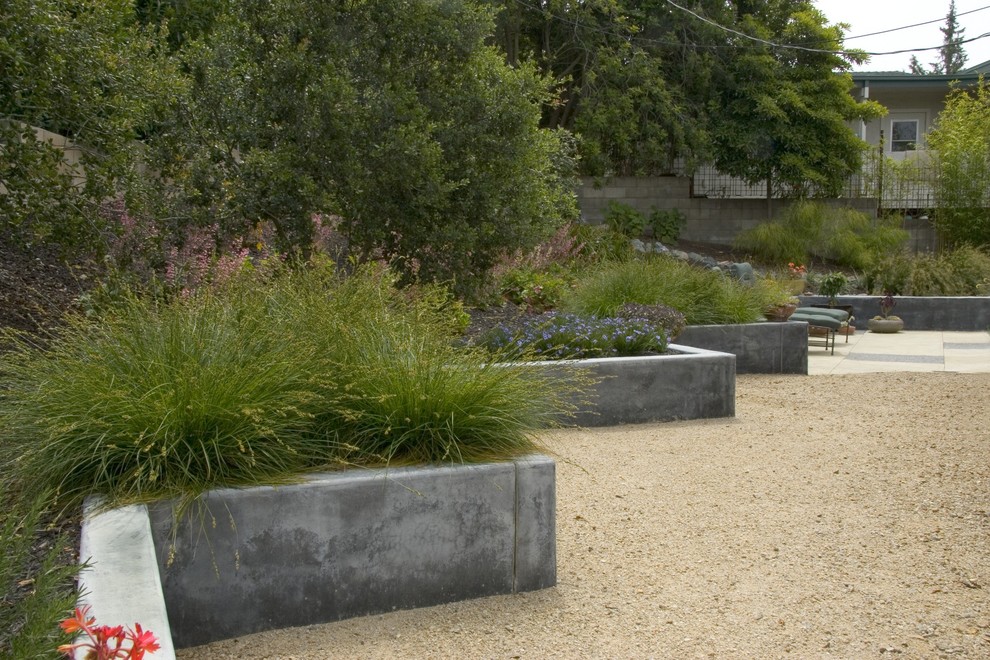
{"x": 906, "y": 27}
{"x": 668, "y": 42}
{"x": 813, "y": 50}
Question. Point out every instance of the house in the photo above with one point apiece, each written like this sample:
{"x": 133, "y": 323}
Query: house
{"x": 914, "y": 102}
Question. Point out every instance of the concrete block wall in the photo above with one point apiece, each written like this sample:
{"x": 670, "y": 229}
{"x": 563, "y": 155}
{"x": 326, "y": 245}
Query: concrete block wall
{"x": 712, "y": 220}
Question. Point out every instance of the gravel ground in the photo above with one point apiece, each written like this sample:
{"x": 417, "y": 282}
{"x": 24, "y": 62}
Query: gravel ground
{"x": 834, "y": 517}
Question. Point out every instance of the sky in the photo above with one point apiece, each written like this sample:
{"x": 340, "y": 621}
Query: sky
{"x": 866, "y": 16}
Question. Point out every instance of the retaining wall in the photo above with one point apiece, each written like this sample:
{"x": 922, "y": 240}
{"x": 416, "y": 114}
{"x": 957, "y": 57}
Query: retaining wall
{"x": 963, "y": 313}
{"x": 691, "y": 383}
{"x": 760, "y": 348}
{"x": 337, "y": 545}
{"x": 711, "y": 220}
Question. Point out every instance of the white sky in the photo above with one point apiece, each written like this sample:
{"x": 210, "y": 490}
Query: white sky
{"x": 865, "y": 16}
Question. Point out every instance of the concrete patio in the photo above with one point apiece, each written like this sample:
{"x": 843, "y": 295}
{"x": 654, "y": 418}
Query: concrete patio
{"x": 910, "y": 350}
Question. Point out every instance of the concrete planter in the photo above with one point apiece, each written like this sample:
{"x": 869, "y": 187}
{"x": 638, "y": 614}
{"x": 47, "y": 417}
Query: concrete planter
{"x": 335, "y": 546}
{"x": 885, "y": 326}
{"x": 760, "y": 348}
{"x": 689, "y": 383}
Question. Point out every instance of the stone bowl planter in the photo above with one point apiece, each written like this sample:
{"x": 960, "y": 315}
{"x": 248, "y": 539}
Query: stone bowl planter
{"x": 336, "y": 545}
{"x": 888, "y": 325}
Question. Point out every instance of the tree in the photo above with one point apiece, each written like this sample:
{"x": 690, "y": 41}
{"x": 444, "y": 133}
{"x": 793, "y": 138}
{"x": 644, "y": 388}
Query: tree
{"x": 952, "y": 57}
{"x": 80, "y": 69}
{"x": 393, "y": 115}
{"x": 780, "y": 114}
{"x": 960, "y": 142}
{"x": 646, "y": 85}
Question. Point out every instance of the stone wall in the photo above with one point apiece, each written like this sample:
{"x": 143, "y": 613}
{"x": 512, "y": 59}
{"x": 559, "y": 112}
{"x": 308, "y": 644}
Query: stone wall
{"x": 709, "y": 220}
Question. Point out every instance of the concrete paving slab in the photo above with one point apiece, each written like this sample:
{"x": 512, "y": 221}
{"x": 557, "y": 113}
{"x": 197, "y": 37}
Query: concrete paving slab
{"x": 911, "y": 350}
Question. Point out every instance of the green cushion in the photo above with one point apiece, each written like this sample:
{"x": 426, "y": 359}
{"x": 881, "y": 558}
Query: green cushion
{"x": 820, "y": 320}
{"x": 837, "y": 314}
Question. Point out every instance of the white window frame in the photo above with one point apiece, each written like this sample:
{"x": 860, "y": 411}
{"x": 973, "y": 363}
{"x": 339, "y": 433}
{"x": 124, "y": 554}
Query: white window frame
{"x": 909, "y": 145}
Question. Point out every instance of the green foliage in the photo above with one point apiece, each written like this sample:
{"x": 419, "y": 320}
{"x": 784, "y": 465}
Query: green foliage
{"x": 254, "y": 383}
{"x": 83, "y": 70}
{"x": 394, "y": 116}
{"x": 832, "y": 284}
{"x": 29, "y": 614}
{"x": 702, "y": 296}
{"x": 537, "y": 291}
{"x": 624, "y": 219}
{"x": 666, "y": 225}
{"x": 961, "y": 272}
{"x": 840, "y": 235}
{"x": 772, "y": 243}
{"x": 961, "y": 142}
{"x": 600, "y": 243}
{"x": 782, "y": 114}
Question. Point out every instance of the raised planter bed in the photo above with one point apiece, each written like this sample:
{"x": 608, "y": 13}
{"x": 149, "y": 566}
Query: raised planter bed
{"x": 760, "y": 348}
{"x": 337, "y": 545}
{"x": 688, "y": 383}
{"x": 963, "y": 313}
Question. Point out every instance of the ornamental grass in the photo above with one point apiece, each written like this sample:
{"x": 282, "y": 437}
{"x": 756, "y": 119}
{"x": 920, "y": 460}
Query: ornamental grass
{"x": 254, "y": 383}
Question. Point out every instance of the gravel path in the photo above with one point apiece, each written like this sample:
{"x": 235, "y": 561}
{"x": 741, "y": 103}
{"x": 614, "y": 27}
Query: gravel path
{"x": 834, "y": 517}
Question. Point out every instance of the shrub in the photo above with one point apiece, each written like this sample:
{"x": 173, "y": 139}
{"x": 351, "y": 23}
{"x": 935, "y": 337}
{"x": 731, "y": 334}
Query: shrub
{"x": 841, "y": 235}
{"x": 255, "y": 383}
{"x": 571, "y": 336}
{"x": 961, "y": 272}
{"x": 772, "y": 243}
{"x": 600, "y": 243}
{"x": 535, "y": 290}
{"x": 624, "y": 219}
{"x": 666, "y": 225}
{"x": 704, "y": 297}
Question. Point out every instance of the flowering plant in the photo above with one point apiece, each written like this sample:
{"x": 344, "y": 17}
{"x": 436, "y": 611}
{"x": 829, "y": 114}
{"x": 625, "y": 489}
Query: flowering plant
{"x": 106, "y": 642}
{"x": 561, "y": 336}
{"x": 797, "y": 270}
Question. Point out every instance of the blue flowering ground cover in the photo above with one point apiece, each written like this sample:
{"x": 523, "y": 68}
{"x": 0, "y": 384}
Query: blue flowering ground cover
{"x": 559, "y": 336}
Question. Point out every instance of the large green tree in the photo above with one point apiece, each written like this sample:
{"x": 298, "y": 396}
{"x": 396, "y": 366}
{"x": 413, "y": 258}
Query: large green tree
{"x": 647, "y": 84}
{"x": 780, "y": 114}
{"x": 393, "y": 115}
{"x": 82, "y": 69}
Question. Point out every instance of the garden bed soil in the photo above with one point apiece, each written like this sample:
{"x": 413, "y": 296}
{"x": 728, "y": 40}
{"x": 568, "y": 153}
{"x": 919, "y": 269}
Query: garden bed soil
{"x": 811, "y": 525}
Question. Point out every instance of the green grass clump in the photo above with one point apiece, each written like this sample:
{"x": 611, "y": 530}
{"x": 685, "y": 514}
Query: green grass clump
{"x": 30, "y": 613}
{"x": 255, "y": 383}
{"x": 808, "y": 229}
{"x": 703, "y": 297}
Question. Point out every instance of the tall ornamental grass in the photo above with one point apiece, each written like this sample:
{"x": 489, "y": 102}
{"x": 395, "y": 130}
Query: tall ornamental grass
{"x": 254, "y": 383}
{"x": 704, "y": 297}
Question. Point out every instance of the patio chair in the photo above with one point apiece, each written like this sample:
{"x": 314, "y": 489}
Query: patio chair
{"x": 826, "y": 320}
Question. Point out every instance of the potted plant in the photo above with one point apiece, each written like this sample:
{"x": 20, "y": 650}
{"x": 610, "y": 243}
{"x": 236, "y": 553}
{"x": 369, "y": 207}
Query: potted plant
{"x": 778, "y": 301}
{"x": 797, "y": 274}
{"x": 886, "y": 322}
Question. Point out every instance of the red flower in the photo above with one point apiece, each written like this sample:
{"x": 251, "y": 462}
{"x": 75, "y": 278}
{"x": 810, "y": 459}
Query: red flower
{"x": 107, "y": 642}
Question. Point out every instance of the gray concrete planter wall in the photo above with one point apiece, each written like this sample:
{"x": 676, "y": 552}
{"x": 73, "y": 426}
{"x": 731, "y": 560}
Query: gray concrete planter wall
{"x": 966, "y": 313}
{"x": 760, "y": 348}
{"x": 337, "y": 545}
{"x": 690, "y": 383}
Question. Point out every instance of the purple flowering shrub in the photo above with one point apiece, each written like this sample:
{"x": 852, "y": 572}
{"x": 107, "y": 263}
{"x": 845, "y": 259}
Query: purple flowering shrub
{"x": 557, "y": 336}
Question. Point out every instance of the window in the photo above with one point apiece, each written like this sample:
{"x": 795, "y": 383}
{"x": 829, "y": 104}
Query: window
{"x": 904, "y": 135}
